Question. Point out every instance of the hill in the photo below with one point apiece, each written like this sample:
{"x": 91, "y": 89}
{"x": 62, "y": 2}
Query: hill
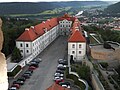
{"x": 113, "y": 9}
{"x": 38, "y": 7}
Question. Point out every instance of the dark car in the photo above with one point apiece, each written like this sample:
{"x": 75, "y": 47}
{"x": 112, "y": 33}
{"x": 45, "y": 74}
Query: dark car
{"x": 18, "y": 82}
{"x": 61, "y": 68}
{"x": 22, "y": 79}
{"x": 34, "y": 64}
{"x": 27, "y": 76}
{"x": 63, "y": 62}
{"x": 28, "y": 72}
{"x": 37, "y": 60}
{"x": 60, "y": 71}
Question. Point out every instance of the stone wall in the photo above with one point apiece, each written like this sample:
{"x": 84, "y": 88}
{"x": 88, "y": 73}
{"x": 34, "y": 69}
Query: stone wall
{"x": 101, "y": 55}
{"x": 3, "y": 65}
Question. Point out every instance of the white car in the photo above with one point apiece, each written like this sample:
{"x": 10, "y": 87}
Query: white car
{"x": 65, "y": 86}
{"x": 61, "y": 65}
{"x": 58, "y": 78}
{"x": 59, "y": 74}
{"x": 12, "y": 88}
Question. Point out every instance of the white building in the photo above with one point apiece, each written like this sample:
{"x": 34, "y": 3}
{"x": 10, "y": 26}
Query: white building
{"x": 76, "y": 43}
{"x": 36, "y": 38}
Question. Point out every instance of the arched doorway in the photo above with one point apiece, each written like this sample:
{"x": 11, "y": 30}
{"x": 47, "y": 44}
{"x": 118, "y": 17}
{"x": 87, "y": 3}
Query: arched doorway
{"x": 71, "y": 59}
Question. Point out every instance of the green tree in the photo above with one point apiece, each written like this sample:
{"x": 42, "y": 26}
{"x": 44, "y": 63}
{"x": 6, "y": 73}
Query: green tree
{"x": 16, "y": 55}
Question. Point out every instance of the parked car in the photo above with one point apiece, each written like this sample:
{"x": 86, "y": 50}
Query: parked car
{"x": 18, "y": 82}
{"x": 16, "y": 85}
{"x": 60, "y": 71}
{"x": 37, "y": 60}
{"x": 34, "y": 64}
{"x": 59, "y": 80}
{"x": 28, "y": 72}
{"x": 61, "y": 65}
{"x": 22, "y": 79}
{"x": 65, "y": 84}
{"x": 63, "y": 62}
{"x": 59, "y": 74}
{"x": 12, "y": 88}
{"x": 27, "y": 76}
{"x": 32, "y": 68}
{"x": 61, "y": 68}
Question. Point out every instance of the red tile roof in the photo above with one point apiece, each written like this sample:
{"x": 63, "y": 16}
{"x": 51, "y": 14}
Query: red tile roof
{"x": 56, "y": 87}
{"x": 38, "y": 30}
{"x": 67, "y": 17}
{"x": 28, "y": 35}
{"x": 77, "y": 37}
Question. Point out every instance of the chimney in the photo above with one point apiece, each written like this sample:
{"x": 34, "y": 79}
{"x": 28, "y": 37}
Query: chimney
{"x": 32, "y": 27}
{"x": 43, "y": 21}
{"x": 27, "y": 29}
{"x": 48, "y": 19}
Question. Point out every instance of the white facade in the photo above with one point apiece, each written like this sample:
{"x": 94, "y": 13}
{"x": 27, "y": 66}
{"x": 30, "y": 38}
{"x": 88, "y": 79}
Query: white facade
{"x": 65, "y": 26}
{"x": 77, "y": 50}
{"x": 38, "y": 45}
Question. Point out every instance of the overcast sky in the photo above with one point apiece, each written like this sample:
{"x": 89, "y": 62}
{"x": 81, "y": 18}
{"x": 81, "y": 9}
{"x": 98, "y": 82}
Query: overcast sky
{"x": 49, "y": 0}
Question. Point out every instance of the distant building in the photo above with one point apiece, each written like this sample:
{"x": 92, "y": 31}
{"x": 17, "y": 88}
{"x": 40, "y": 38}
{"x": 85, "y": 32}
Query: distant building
{"x": 36, "y": 38}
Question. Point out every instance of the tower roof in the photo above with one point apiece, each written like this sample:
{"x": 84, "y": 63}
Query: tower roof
{"x": 77, "y": 37}
{"x": 28, "y": 35}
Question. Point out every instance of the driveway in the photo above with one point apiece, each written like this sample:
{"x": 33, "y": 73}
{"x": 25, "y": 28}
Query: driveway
{"x": 43, "y": 76}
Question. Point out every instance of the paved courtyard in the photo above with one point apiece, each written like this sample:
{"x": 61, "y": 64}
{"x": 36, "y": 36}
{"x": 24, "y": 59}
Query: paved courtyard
{"x": 43, "y": 76}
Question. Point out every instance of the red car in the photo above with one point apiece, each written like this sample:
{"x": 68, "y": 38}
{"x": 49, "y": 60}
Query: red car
{"x": 32, "y": 68}
{"x": 59, "y": 80}
{"x": 16, "y": 85}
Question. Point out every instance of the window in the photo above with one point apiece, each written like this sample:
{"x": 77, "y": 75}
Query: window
{"x": 73, "y": 45}
{"x": 27, "y": 51}
{"x": 79, "y": 45}
{"x": 26, "y": 45}
{"x": 73, "y": 52}
{"x": 21, "y": 51}
{"x": 79, "y": 52}
{"x": 21, "y": 45}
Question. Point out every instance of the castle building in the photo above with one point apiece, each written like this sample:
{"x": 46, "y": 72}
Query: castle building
{"x": 36, "y": 38}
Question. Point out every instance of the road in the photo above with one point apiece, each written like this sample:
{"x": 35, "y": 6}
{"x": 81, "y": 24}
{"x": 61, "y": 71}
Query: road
{"x": 43, "y": 76}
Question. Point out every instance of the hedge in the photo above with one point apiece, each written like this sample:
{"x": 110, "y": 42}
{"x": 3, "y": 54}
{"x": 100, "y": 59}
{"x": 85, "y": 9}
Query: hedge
{"x": 14, "y": 72}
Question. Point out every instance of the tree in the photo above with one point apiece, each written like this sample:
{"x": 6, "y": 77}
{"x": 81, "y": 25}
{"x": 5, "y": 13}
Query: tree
{"x": 16, "y": 55}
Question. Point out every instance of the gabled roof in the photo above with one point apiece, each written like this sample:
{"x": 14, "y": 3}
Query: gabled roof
{"x": 27, "y": 35}
{"x": 35, "y": 31}
{"x": 56, "y": 87}
{"x": 67, "y": 17}
{"x": 77, "y": 37}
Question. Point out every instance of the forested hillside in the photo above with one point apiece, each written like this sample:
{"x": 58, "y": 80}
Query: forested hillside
{"x": 38, "y": 7}
{"x": 114, "y": 8}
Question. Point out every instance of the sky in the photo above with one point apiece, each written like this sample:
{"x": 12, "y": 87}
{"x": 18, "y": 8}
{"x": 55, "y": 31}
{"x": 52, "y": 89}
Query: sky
{"x": 49, "y": 0}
